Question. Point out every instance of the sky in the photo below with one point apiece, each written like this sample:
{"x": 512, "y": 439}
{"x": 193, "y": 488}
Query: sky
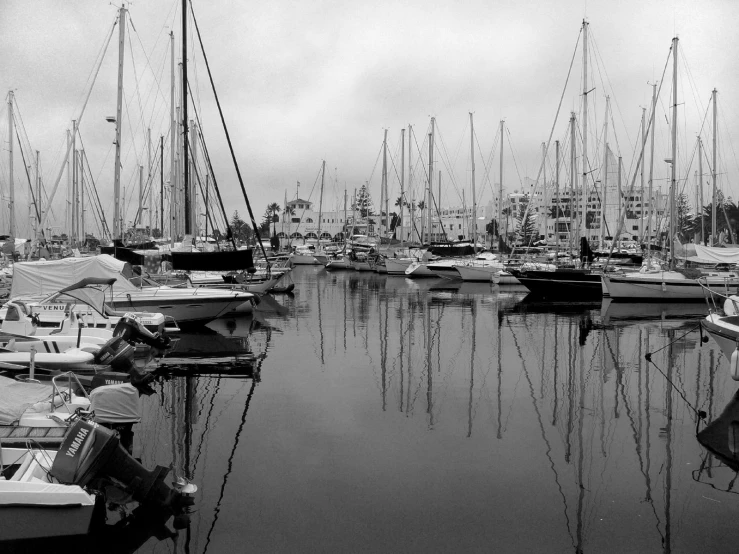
{"x": 303, "y": 82}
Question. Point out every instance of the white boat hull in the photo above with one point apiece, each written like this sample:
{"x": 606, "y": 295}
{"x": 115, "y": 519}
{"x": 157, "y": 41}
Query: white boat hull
{"x": 660, "y": 288}
{"x": 397, "y": 266}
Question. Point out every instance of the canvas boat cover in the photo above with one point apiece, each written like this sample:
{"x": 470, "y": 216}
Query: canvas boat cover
{"x": 116, "y": 404}
{"x": 34, "y": 279}
{"x": 707, "y": 254}
{"x": 16, "y": 397}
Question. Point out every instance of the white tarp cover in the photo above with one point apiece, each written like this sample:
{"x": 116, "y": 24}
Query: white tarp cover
{"x": 16, "y": 397}
{"x": 34, "y": 279}
{"x": 707, "y": 254}
{"x": 116, "y": 404}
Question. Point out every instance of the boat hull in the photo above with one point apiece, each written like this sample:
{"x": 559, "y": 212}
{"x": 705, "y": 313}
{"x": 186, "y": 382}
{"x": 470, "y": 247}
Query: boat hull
{"x": 562, "y": 284}
{"x": 725, "y": 336}
{"x": 664, "y": 290}
{"x": 397, "y": 267}
{"x": 190, "y": 308}
{"x": 477, "y": 274}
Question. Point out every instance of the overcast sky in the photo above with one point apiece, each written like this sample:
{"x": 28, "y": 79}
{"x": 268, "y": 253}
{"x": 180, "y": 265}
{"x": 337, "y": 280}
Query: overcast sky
{"x": 300, "y": 82}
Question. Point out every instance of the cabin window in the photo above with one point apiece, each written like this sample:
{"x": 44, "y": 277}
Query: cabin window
{"x": 12, "y": 314}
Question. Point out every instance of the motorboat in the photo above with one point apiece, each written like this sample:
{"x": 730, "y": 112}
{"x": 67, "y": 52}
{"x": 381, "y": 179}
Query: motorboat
{"x": 129, "y": 293}
{"x": 43, "y": 490}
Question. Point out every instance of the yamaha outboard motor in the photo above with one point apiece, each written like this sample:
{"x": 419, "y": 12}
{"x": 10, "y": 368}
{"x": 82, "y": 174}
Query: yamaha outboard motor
{"x": 117, "y": 353}
{"x": 132, "y": 330}
{"x": 91, "y": 451}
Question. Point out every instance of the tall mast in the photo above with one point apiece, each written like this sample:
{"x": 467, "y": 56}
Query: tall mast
{"x": 194, "y": 191}
{"x": 621, "y": 203}
{"x": 641, "y": 194}
{"x": 38, "y": 197}
{"x": 474, "y": 196}
{"x": 117, "y": 230}
{"x": 186, "y": 145}
{"x": 673, "y": 165}
{"x": 410, "y": 184}
{"x": 585, "y": 91}
{"x": 500, "y": 186}
{"x": 320, "y": 203}
{"x": 713, "y": 170}
{"x": 83, "y": 235}
{"x": 402, "y": 183}
{"x": 651, "y": 172}
{"x": 383, "y": 186}
{"x": 161, "y": 185}
{"x": 11, "y": 222}
{"x": 556, "y": 213}
{"x": 148, "y": 179}
{"x": 173, "y": 148}
{"x": 431, "y": 177}
{"x": 700, "y": 184}
{"x": 140, "y": 212}
{"x": 73, "y": 167}
{"x": 546, "y": 206}
{"x": 69, "y": 191}
{"x": 573, "y": 219}
{"x": 604, "y": 178}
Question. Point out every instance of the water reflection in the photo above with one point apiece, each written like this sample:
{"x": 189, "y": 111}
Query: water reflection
{"x": 451, "y": 418}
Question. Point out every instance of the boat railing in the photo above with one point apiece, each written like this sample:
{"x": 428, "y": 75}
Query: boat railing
{"x": 710, "y": 294}
{"x": 58, "y": 390}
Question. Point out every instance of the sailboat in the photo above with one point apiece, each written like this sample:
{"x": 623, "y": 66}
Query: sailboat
{"x": 672, "y": 284}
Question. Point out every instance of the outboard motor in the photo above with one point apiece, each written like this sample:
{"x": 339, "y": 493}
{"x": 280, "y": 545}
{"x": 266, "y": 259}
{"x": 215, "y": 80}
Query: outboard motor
{"x": 91, "y": 451}
{"x": 117, "y": 353}
{"x": 117, "y": 407}
{"x": 132, "y": 330}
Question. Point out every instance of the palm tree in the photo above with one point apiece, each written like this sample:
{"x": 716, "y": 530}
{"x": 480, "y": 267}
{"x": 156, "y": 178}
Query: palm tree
{"x": 274, "y": 209}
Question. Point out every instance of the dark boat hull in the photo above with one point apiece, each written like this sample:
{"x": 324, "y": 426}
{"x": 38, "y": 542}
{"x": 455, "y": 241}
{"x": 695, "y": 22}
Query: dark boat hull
{"x": 562, "y": 284}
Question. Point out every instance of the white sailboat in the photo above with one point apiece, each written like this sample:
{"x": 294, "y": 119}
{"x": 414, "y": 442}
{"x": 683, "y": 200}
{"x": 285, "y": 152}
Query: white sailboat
{"x": 670, "y": 284}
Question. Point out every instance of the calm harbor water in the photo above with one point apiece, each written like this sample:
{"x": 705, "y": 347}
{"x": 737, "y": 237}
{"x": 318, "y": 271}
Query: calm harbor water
{"x": 387, "y": 415}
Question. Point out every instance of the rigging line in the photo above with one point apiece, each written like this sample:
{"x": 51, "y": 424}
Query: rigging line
{"x": 97, "y": 197}
{"x": 148, "y": 60}
{"x": 447, "y": 162}
{"x": 513, "y": 155}
{"x": 556, "y": 117}
{"x": 615, "y": 99}
{"x": 217, "y": 190}
{"x": 28, "y": 176}
{"x": 228, "y": 138}
{"x": 136, "y": 78}
{"x": 622, "y": 219}
{"x": 79, "y": 119}
{"x": 99, "y": 215}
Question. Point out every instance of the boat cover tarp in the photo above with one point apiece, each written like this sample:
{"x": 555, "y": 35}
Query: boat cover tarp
{"x": 116, "y": 404}
{"x": 34, "y": 279}
{"x": 16, "y": 397}
{"x": 212, "y": 261}
{"x": 707, "y": 254}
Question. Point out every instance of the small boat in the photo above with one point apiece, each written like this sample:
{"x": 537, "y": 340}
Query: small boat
{"x": 723, "y": 327}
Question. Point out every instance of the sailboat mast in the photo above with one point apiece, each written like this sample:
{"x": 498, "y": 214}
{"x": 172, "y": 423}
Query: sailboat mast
{"x": 651, "y": 173}
{"x": 544, "y": 188}
{"x": 410, "y": 184}
{"x": 673, "y": 168}
{"x": 161, "y": 184}
{"x": 585, "y": 91}
{"x": 620, "y": 198}
{"x": 500, "y": 186}
{"x": 431, "y": 177}
{"x": 186, "y": 146}
{"x": 402, "y": 183}
{"x": 383, "y": 191}
{"x": 474, "y": 196}
{"x": 320, "y": 203}
{"x": 604, "y": 179}
{"x": 11, "y": 224}
{"x": 643, "y": 146}
{"x": 556, "y": 213}
{"x": 573, "y": 219}
{"x": 173, "y": 148}
{"x": 700, "y": 184}
{"x": 117, "y": 230}
{"x": 148, "y": 178}
{"x": 713, "y": 172}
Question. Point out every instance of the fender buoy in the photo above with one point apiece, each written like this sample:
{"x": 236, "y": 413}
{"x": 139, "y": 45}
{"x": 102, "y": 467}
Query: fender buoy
{"x": 734, "y": 364}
